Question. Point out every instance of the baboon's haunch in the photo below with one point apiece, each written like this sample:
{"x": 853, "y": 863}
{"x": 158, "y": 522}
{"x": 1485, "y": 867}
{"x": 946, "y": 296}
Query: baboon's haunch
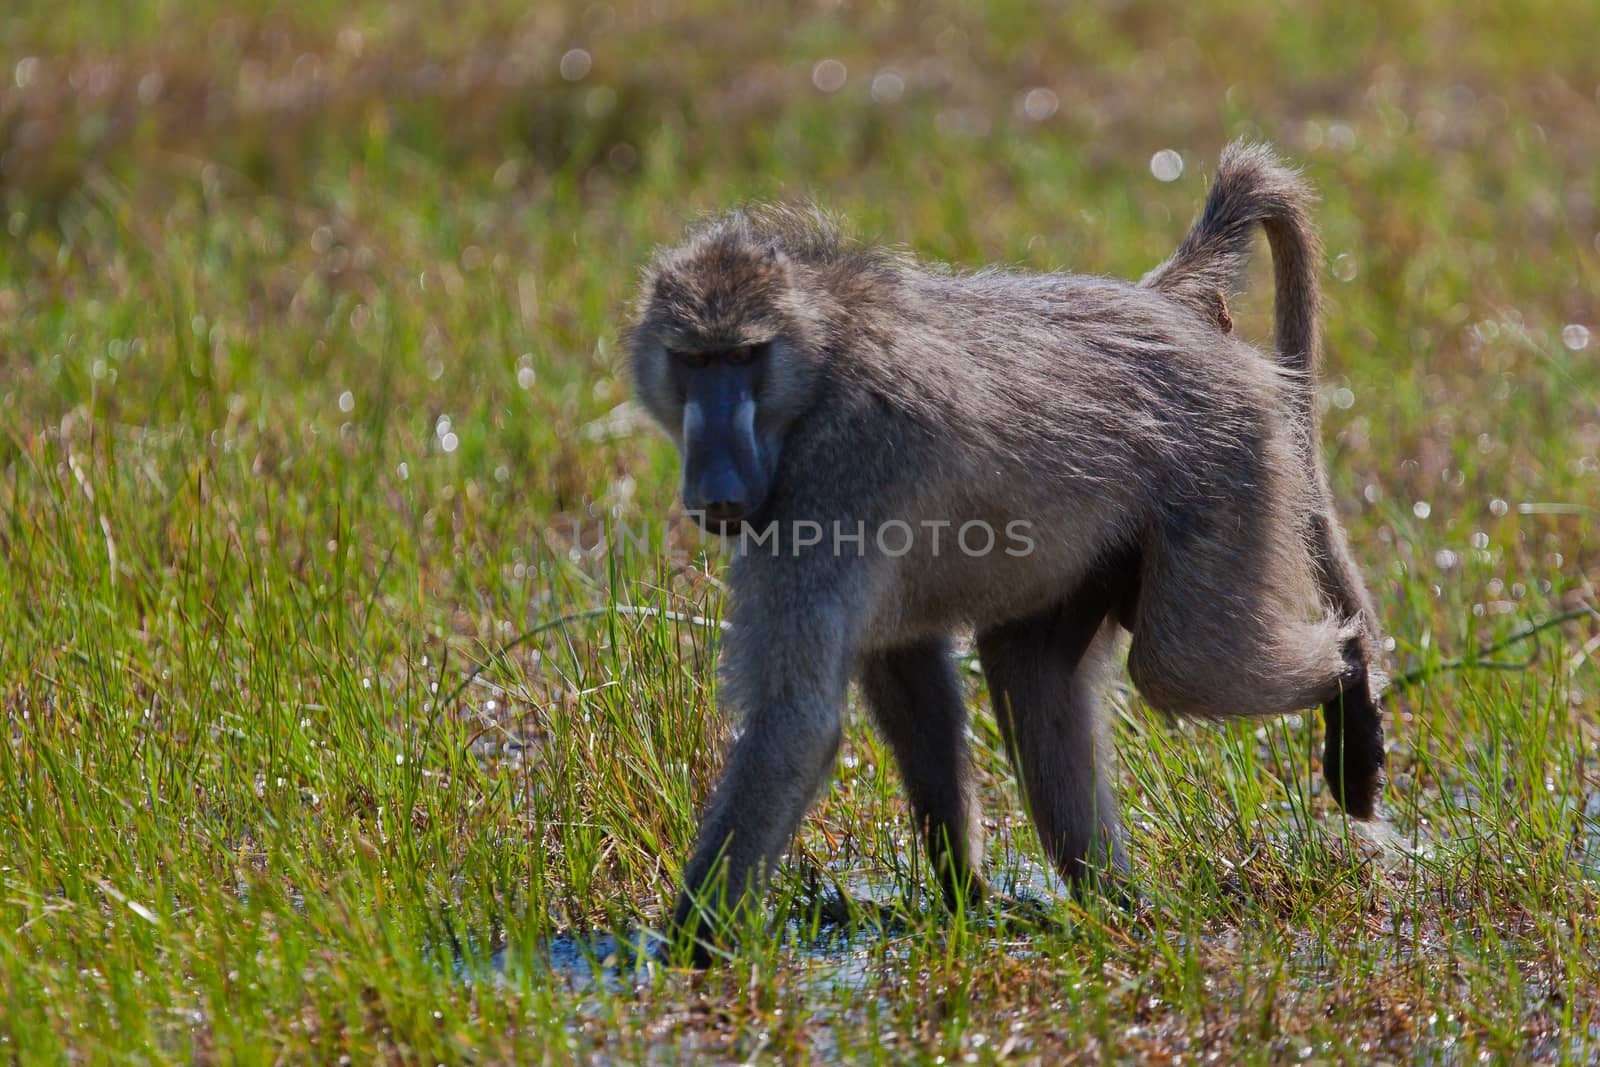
{"x": 901, "y": 452}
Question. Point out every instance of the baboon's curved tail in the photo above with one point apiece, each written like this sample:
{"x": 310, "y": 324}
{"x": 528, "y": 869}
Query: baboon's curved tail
{"x": 1252, "y": 186}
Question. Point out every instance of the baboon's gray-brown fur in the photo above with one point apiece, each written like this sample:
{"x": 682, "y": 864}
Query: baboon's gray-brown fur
{"x": 1169, "y": 475}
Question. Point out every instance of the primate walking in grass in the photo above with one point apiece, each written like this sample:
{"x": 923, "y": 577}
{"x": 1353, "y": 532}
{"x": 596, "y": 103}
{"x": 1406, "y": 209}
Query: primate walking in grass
{"x": 1147, "y": 469}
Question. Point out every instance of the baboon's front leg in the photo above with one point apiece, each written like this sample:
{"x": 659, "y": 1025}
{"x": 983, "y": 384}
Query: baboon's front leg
{"x": 788, "y": 675}
{"x": 775, "y": 771}
{"x": 917, "y": 700}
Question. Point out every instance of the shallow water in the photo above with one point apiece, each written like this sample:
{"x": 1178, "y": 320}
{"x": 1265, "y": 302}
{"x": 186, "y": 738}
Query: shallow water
{"x": 842, "y": 951}
{"x": 583, "y": 960}
{"x": 602, "y": 960}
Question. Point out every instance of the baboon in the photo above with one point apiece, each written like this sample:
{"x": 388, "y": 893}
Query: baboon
{"x": 1150, "y": 472}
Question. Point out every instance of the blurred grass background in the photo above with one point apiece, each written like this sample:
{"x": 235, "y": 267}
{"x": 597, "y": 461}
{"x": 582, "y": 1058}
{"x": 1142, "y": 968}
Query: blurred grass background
{"x": 311, "y": 404}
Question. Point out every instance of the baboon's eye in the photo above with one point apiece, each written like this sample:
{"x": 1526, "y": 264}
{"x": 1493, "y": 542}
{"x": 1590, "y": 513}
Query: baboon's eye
{"x": 694, "y": 360}
{"x": 744, "y": 354}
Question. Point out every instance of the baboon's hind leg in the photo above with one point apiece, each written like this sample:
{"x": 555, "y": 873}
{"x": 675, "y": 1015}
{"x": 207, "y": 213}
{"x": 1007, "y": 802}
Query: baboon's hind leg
{"x": 1218, "y": 633}
{"x": 1352, "y": 754}
{"x": 917, "y": 700}
{"x": 1353, "y": 757}
{"x": 1044, "y": 673}
{"x": 1221, "y": 628}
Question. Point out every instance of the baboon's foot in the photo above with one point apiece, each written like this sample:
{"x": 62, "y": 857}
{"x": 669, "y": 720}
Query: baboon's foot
{"x": 1353, "y": 757}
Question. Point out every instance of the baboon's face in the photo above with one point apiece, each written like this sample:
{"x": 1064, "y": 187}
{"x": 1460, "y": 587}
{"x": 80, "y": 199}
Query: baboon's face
{"x": 720, "y": 364}
{"x": 728, "y": 464}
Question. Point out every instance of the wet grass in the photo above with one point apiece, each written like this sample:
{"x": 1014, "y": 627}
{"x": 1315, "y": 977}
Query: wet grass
{"x": 310, "y": 408}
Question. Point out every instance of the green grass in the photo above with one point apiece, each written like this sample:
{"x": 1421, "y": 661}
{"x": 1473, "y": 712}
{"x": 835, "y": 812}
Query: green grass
{"x": 309, "y": 372}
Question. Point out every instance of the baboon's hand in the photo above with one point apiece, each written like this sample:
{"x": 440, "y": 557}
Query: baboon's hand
{"x": 693, "y": 937}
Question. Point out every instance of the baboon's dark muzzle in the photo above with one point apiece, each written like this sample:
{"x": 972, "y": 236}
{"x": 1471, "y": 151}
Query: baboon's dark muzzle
{"x": 724, "y": 478}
